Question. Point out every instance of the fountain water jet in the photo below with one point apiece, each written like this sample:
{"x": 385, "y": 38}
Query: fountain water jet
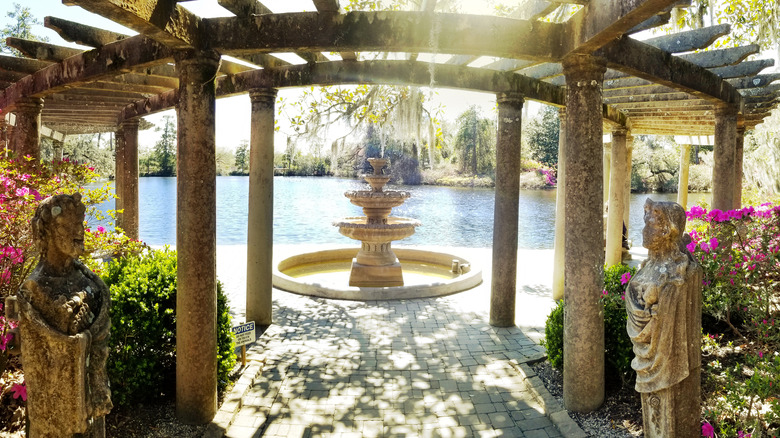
{"x": 376, "y": 265}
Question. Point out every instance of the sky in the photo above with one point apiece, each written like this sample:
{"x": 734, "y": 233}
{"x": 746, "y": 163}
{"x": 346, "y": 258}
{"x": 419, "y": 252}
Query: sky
{"x": 233, "y": 113}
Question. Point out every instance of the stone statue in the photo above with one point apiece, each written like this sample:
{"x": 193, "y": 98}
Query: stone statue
{"x": 663, "y": 302}
{"x": 64, "y": 328}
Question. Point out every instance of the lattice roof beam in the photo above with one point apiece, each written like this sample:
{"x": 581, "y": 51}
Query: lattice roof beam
{"x": 108, "y": 61}
{"x": 162, "y": 20}
{"x": 648, "y": 62}
{"x": 745, "y": 68}
{"x": 42, "y": 51}
{"x": 651, "y": 23}
{"x": 81, "y": 33}
{"x": 532, "y": 9}
{"x": 244, "y": 8}
{"x": 601, "y": 21}
{"x": 391, "y": 72}
{"x": 755, "y": 81}
{"x": 395, "y": 31}
{"x": 329, "y": 5}
{"x": 689, "y": 40}
{"x": 21, "y": 65}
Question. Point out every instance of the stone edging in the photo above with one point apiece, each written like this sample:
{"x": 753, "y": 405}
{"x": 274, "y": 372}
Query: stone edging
{"x": 552, "y": 409}
{"x": 232, "y": 404}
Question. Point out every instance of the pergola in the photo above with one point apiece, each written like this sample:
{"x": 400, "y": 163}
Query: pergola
{"x": 589, "y": 66}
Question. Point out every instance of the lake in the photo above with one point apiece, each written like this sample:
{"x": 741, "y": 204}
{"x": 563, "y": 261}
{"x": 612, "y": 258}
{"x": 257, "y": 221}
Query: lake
{"x": 305, "y": 208}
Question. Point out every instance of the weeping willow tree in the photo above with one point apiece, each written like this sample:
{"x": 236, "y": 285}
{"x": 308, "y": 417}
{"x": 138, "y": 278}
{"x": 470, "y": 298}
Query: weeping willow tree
{"x": 475, "y": 142}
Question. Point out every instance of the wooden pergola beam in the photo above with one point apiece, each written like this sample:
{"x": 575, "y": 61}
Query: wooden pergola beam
{"x": 81, "y": 33}
{"x": 21, "y": 65}
{"x": 162, "y": 20}
{"x": 391, "y": 72}
{"x": 689, "y": 40}
{"x": 244, "y": 8}
{"x": 395, "y": 31}
{"x": 41, "y": 51}
{"x": 601, "y": 21}
{"x": 755, "y": 81}
{"x": 108, "y": 61}
{"x": 745, "y": 68}
{"x": 647, "y": 62}
{"x": 721, "y": 57}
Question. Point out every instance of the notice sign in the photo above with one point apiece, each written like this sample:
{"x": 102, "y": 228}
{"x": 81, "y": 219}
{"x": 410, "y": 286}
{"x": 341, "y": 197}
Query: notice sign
{"x": 244, "y": 333}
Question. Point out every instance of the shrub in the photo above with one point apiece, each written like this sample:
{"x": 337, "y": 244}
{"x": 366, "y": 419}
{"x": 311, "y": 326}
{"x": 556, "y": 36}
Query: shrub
{"x": 618, "y": 348}
{"x": 142, "y": 359}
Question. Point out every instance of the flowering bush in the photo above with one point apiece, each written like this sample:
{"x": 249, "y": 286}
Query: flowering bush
{"x": 738, "y": 250}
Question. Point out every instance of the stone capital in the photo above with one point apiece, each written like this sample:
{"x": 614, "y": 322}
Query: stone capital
{"x": 726, "y": 111}
{"x": 620, "y": 132}
{"x": 193, "y": 58}
{"x": 262, "y": 97}
{"x": 584, "y": 70}
{"x": 130, "y": 124}
{"x": 32, "y": 105}
{"x": 512, "y": 98}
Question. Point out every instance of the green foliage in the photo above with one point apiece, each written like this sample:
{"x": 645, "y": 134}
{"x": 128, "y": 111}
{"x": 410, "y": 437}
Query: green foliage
{"x": 142, "y": 359}
{"x": 164, "y": 153}
{"x": 752, "y": 21}
{"x": 655, "y": 164}
{"x": 20, "y": 26}
{"x": 618, "y": 351}
{"x": 553, "y": 336}
{"x": 542, "y": 133}
{"x": 475, "y": 142}
{"x": 242, "y": 159}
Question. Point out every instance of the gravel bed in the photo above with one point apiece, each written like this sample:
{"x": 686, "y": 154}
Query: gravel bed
{"x": 619, "y": 417}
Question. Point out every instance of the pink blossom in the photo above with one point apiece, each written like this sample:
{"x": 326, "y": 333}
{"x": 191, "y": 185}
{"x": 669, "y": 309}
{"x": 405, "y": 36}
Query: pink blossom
{"x": 19, "y": 391}
{"x": 625, "y": 278}
{"x": 707, "y": 430}
{"x": 691, "y": 246}
{"x": 714, "y": 243}
{"x": 101, "y": 229}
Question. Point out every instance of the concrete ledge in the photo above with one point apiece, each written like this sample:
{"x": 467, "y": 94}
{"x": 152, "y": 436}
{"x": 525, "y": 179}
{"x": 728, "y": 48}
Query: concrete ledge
{"x": 552, "y": 409}
{"x": 233, "y": 400}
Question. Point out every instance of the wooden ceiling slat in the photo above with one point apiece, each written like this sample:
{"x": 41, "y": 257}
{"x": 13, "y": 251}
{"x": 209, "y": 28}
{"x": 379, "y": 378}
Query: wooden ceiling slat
{"x": 721, "y": 57}
{"x": 745, "y": 68}
{"x": 689, "y": 40}
{"x": 244, "y": 8}
{"x": 21, "y": 65}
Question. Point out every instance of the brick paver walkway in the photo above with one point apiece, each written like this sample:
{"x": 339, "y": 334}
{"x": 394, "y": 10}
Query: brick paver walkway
{"x": 423, "y": 367}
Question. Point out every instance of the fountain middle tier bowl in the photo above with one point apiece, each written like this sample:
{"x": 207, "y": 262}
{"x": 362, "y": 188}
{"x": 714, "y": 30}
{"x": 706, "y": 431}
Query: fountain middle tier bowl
{"x": 358, "y": 228}
{"x": 371, "y": 199}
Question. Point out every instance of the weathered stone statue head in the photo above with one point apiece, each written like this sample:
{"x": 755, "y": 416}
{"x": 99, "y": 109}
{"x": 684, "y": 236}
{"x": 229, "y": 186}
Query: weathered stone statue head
{"x": 58, "y": 229}
{"x": 664, "y": 226}
{"x": 64, "y": 327}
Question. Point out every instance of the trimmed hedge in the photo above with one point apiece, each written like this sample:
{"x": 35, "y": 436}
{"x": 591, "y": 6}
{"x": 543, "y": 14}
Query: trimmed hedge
{"x": 142, "y": 359}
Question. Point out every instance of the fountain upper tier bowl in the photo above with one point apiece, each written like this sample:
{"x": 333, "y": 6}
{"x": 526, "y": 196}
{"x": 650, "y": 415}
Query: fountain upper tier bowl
{"x": 359, "y": 228}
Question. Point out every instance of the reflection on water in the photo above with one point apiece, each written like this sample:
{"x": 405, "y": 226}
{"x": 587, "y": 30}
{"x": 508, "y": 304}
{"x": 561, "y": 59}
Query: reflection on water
{"x": 305, "y": 208}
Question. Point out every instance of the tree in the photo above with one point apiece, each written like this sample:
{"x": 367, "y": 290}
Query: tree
{"x": 475, "y": 142}
{"x": 20, "y": 26}
{"x": 242, "y": 158}
{"x": 165, "y": 149}
{"x": 543, "y": 132}
{"x": 752, "y": 21}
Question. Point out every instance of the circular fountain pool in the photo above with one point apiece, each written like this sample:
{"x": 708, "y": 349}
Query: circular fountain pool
{"x": 425, "y": 273}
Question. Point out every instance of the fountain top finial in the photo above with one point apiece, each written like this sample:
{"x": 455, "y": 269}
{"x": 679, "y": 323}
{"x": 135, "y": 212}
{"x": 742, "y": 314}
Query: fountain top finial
{"x": 377, "y": 164}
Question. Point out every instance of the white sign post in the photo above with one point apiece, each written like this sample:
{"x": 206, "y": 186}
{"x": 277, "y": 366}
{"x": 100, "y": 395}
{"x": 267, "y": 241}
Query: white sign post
{"x": 244, "y": 334}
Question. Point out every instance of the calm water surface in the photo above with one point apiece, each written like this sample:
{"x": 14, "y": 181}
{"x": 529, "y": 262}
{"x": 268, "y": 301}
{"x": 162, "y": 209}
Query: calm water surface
{"x": 305, "y": 208}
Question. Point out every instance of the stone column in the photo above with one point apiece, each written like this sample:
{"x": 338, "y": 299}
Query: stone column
{"x": 119, "y": 171}
{"x": 723, "y": 155}
{"x": 583, "y": 335}
{"x": 606, "y": 160}
{"x": 26, "y": 135}
{"x": 57, "y": 146}
{"x": 617, "y": 199}
{"x": 682, "y": 184}
{"x": 130, "y": 178}
{"x": 505, "y": 213}
{"x": 4, "y": 135}
{"x": 738, "y": 163}
{"x": 260, "y": 231}
{"x": 196, "y": 238}
{"x": 629, "y": 165}
{"x": 560, "y": 212}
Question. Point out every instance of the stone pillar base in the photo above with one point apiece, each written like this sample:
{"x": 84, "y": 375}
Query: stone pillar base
{"x": 673, "y": 412}
{"x": 376, "y": 276}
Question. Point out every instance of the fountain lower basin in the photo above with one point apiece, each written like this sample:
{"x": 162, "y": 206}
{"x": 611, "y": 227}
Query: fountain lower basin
{"x": 325, "y": 273}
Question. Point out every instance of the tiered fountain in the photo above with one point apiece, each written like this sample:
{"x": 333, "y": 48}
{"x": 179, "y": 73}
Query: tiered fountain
{"x": 374, "y": 270}
{"x": 376, "y": 265}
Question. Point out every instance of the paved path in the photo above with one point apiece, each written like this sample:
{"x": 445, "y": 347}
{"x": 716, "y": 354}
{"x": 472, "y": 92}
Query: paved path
{"x": 424, "y": 367}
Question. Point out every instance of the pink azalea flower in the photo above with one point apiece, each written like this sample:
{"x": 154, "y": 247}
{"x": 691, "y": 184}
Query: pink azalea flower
{"x": 19, "y": 391}
{"x": 707, "y": 430}
{"x": 625, "y": 278}
{"x": 691, "y": 246}
{"x": 713, "y": 243}
{"x": 101, "y": 229}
